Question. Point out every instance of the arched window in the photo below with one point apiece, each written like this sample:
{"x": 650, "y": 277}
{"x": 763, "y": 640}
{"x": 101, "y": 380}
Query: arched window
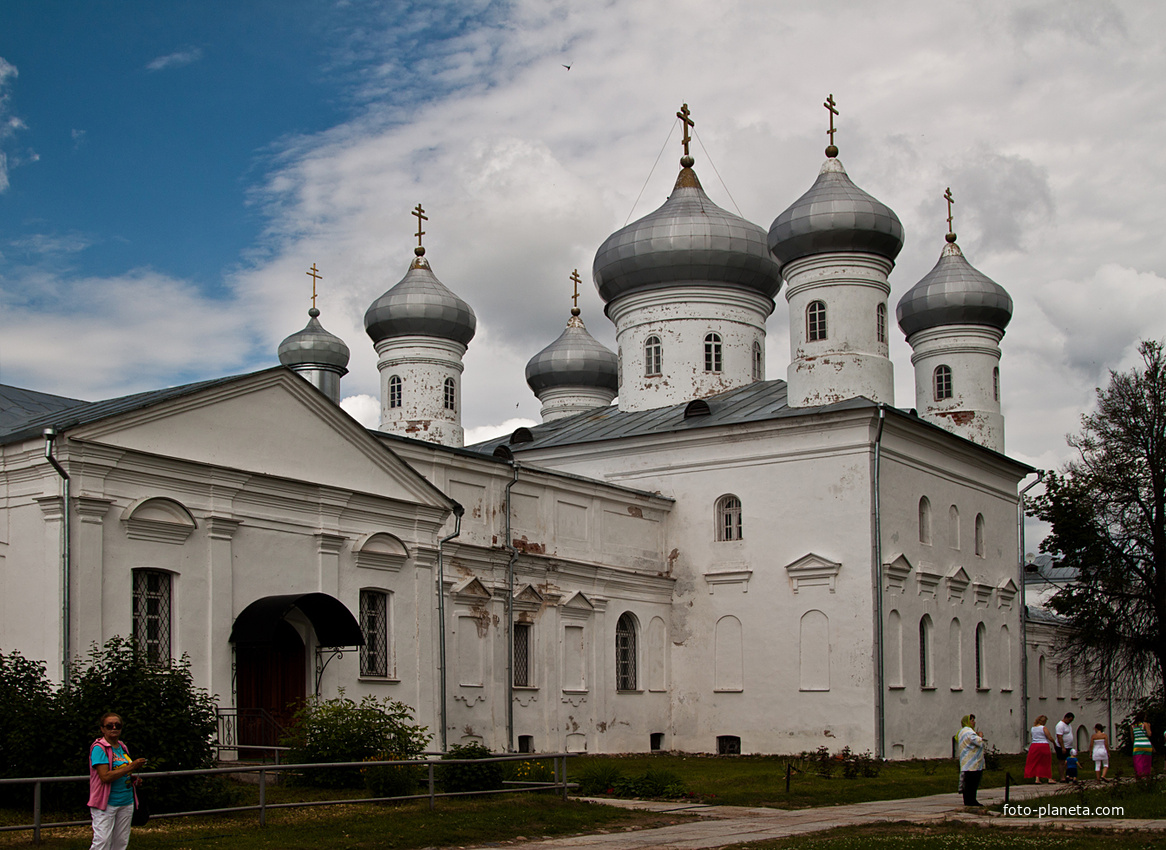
{"x": 981, "y": 658}
{"x": 1040, "y": 677}
{"x": 941, "y": 380}
{"x": 395, "y": 391}
{"x": 925, "y": 521}
{"x": 450, "y": 394}
{"x": 816, "y": 321}
{"x": 980, "y": 535}
{"x": 996, "y": 383}
{"x": 758, "y": 372}
{"x": 653, "y": 357}
{"x": 625, "y": 653}
{"x": 895, "y": 647}
{"x": 926, "y": 673}
{"x": 881, "y": 322}
{"x": 712, "y": 352}
{"x": 953, "y": 527}
{"x": 728, "y": 518}
{"x": 955, "y": 663}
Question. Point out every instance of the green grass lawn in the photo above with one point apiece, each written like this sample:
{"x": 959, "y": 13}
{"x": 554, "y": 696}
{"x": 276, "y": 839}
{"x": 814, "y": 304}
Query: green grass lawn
{"x": 409, "y": 825}
{"x": 958, "y": 836}
{"x": 760, "y": 780}
{"x": 1135, "y": 799}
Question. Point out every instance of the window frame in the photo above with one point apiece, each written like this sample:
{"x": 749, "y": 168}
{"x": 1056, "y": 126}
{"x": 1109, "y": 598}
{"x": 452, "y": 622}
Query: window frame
{"x": 714, "y": 355}
{"x": 450, "y": 388}
{"x": 924, "y": 520}
{"x": 881, "y": 323}
{"x": 926, "y": 665}
{"x": 730, "y": 525}
{"x": 522, "y": 665}
{"x": 626, "y": 645}
{"x": 981, "y": 657}
{"x": 942, "y": 383}
{"x": 758, "y": 362}
{"x": 816, "y": 327}
{"x": 395, "y": 384}
{"x": 653, "y": 357}
{"x": 376, "y": 657}
{"x": 158, "y": 649}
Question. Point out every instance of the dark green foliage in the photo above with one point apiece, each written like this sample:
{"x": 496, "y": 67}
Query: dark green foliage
{"x": 858, "y": 764}
{"x": 338, "y": 729}
{"x": 1107, "y": 512}
{"x": 1154, "y": 708}
{"x": 651, "y": 783}
{"x": 393, "y": 780}
{"x": 167, "y": 720}
{"x": 599, "y": 778}
{"x": 458, "y": 778}
{"x": 992, "y": 759}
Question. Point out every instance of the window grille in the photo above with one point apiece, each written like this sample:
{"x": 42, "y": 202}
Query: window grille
{"x": 450, "y": 394}
{"x": 757, "y": 362}
{"x": 881, "y": 321}
{"x": 816, "y": 321}
{"x": 943, "y": 388}
{"x": 625, "y": 653}
{"x": 394, "y": 391}
{"x": 152, "y": 614}
{"x": 374, "y": 624}
{"x": 653, "y": 357}
{"x": 712, "y": 352}
{"x": 996, "y": 383}
{"x": 522, "y": 655}
{"x": 729, "y": 518}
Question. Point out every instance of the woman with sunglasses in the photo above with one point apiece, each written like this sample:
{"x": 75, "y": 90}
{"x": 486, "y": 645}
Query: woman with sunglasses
{"x": 111, "y": 791}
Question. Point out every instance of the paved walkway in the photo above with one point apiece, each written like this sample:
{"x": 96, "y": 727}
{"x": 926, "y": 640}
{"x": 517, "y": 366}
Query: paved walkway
{"x": 720, "y": 826}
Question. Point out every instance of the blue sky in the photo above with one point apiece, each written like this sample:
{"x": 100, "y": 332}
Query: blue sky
{"x": 170, "y": 170}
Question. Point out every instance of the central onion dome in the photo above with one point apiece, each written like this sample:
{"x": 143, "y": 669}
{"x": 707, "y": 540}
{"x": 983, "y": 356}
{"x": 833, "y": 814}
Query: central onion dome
{"x": 687, "y": 241}
{"x": 835, "y": 215}
{"x": 420, "y": 305}
{"x": 314, "y": 346}
{"x": 575, "y": 359}
{"x": 954, "y": 293}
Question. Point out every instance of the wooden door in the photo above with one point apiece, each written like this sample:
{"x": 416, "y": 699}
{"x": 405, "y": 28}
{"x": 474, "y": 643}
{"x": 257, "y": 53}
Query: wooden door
{"x": 271, "y": 683}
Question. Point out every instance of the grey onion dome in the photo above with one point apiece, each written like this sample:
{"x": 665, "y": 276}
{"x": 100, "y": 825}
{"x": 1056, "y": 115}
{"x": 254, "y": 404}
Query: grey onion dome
{"x": 835, "y": 215}
{"x": 953, "y": 293}
{"x": 314, "y": 346}
{"x": 420, "y": 305}
{"x": 688, "y": 240}
{"x": 575, "y": 359}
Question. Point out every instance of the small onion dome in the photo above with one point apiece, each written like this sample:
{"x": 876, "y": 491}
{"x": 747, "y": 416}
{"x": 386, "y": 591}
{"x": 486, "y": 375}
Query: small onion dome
{"x": 575, "y": 359}
{"x": 314, "y": 346}
{"x": 420, "y": 305}
{"x": 835, "y": 215}
{"x": 954, "y": 293}
{"x": 688, "y": 240}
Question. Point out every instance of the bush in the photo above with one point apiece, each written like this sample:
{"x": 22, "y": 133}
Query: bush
{"x": 168, "y": 721}
{"x": 385, "y": 780}
{"x": 460, "y": 778}
{"x": 652, "y": 783}
{"x": 528, "y": 771}
{"x": 599, "y": 778}
{"x": 338, "y": 729}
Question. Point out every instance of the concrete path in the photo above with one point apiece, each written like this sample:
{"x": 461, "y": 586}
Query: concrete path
{"x": 721, "y": 826}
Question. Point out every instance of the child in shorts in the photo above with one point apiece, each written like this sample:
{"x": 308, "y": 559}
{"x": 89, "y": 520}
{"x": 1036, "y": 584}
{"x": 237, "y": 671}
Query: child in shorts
{"x": 1071, "y": 766}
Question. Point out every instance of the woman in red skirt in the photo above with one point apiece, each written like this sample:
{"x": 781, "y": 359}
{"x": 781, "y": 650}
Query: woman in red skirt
{"x": 1039, "y": 764}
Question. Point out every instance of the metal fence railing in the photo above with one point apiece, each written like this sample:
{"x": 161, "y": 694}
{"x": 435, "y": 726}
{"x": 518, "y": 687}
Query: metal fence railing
{"x": 271, "y": 772}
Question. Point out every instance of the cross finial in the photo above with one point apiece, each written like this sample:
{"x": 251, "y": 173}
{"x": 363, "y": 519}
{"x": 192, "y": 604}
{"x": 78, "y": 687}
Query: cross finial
{"x": 315, "y": 275}
{"x": 831, "y": 150}
{"x": 421, "y": 216}
{"x": 950, "y": 200}
{"x": 685, "y": 122}
{"x": 575, "y": 297}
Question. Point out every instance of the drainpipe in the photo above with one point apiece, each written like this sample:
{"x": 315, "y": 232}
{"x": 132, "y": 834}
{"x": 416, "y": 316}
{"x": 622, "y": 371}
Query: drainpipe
{"x": 66, "y": 604}
{"x": 1040, "y": 475}
{"x": 877, "y": 555}
{"x": 510, "y": 616}
{"x": 458, "y": 511}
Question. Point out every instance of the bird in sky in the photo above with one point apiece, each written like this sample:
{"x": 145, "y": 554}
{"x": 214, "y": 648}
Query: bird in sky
{"x": 568, "y": 67}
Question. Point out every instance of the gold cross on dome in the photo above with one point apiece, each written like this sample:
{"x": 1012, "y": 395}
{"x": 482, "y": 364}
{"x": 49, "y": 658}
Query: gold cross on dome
{"x": 575, "y": 297}
{"x": 830, "y": 104}
{"x": 315, "y": 275}
{"x": 421, "y": 216}
{"x": 950, "y": 200}
{"x": 686, "y": 122}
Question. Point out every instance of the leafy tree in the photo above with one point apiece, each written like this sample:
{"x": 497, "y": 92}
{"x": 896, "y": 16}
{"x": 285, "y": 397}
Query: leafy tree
{"x": 1107, "y": 510}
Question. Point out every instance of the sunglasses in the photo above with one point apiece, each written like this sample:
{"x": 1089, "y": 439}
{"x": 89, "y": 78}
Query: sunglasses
{"x": 111, "y": 726}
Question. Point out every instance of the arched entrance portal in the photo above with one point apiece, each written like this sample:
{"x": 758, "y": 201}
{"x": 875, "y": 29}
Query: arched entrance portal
{"x": 271, "y": 659}
{"x": 271, "y": 681}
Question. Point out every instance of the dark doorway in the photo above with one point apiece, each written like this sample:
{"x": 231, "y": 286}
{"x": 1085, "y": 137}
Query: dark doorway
{"x": 270, "y": 679}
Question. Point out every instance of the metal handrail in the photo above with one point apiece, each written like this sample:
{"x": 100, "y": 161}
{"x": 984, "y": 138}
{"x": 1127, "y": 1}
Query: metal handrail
{"x": 558, "y": 767}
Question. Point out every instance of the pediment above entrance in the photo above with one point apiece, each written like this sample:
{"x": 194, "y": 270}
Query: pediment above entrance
{"x": 812, "y": 570}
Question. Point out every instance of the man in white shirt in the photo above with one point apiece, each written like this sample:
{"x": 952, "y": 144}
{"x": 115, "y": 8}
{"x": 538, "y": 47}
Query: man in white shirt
{"x": 1064, "y": 741}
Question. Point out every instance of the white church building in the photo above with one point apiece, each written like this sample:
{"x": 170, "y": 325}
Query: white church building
{"x": 718, "y": 561}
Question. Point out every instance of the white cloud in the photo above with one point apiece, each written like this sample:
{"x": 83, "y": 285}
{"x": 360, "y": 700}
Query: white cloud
{"x": 365, "y": 409}
{"x": 481, "y": 433}
{"x": 9, "y": 124}
{"x": 175, "y": 60}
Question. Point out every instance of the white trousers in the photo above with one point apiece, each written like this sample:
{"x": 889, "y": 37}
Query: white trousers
{"x": 111, "y": 828}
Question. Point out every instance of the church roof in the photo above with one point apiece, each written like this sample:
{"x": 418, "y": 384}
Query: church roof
{"x": 420, "y": 305}
{"x": 575, "y": 359}
{"x": 17, "y": 405}
{"x": 314, "y": 346}
{"x": 954, "y": 293}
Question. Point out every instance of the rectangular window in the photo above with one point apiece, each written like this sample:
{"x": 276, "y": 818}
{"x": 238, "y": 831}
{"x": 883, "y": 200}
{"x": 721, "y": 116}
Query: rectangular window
{"x": 522, "y": 655}
{"x": 374, "y": 625}
{"x": 151, "y": 614}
